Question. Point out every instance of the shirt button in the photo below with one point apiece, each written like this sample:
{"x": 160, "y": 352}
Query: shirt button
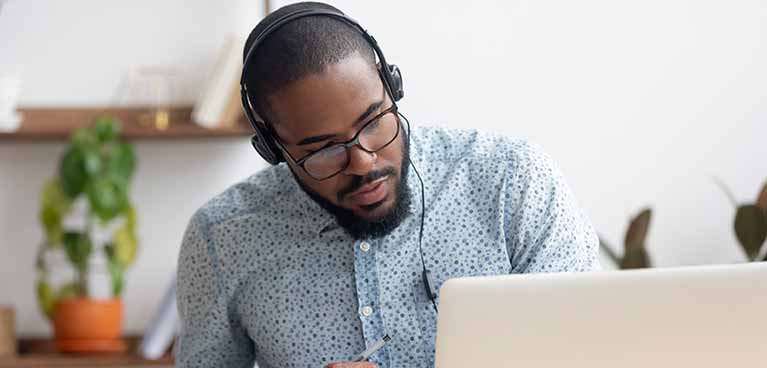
{"x": 367, "y": 311}
{"x": 365, "y": 246}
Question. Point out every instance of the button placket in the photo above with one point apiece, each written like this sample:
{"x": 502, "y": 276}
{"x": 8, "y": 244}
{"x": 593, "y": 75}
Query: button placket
{"x": 368, "y": 294}
{"x": 367, "y": 311}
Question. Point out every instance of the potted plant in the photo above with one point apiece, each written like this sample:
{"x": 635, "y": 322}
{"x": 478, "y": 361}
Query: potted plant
{"x": 635, "y": 253}
{"x": 90, "y": 223}
{"x": 750, "y": 223}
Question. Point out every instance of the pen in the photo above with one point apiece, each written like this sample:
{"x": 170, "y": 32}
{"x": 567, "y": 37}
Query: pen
{"x": 372, "y": 349}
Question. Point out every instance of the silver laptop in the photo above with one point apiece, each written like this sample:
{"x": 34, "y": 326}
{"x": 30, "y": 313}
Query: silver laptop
{"x": 701, "y": 316}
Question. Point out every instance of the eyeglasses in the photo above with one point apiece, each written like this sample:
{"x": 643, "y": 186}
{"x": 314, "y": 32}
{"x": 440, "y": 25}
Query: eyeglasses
{"x": 374, "y": 136}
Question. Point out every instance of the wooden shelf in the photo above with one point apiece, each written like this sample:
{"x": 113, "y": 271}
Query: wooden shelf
{"x": 52, "y": 124}
{"x": 41, "y": 352}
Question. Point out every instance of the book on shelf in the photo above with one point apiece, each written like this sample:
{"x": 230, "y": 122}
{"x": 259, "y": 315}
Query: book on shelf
{"x": 233, "y": 109}
{"x": 218, "y": 104}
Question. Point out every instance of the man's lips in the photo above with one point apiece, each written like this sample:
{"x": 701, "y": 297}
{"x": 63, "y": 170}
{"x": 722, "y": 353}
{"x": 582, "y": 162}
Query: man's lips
{"x": 370, "y": 193}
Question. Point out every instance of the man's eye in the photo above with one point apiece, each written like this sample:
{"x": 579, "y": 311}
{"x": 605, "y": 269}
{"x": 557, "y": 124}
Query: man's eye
{"x": 374, "y": 125}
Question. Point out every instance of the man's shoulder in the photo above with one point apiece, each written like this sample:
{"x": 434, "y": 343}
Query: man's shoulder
{"x": 452, "y": 144}
{"x": 250, "y": 197}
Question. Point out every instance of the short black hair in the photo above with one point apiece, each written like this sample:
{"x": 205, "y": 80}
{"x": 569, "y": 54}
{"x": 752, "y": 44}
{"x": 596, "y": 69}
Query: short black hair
{"x": 300, "y": 48}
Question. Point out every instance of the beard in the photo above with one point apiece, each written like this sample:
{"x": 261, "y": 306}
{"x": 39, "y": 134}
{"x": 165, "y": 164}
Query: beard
{"x": 360, "y": 227}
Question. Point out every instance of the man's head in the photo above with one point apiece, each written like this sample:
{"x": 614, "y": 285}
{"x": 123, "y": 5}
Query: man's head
{"x": 315, "y": 83}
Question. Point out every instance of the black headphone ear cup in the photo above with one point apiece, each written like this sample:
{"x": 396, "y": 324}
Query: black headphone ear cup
{"x": 262, "y": 142}
{"x": 395, "y": 76}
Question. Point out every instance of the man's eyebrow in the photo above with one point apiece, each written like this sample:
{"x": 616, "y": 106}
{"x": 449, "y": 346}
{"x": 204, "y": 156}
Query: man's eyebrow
{"x": 373, "y": 107}
{"x": 315, "y": 139}
{"x": 319, "y": 138}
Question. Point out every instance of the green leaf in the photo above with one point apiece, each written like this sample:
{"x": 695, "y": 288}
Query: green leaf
{"x": 72, "y": 172}
{"x": 78, "y": 247}
{"x": 118, "y": 279}
{"x": 751, "y": 229}
{"x": 54, "y": 205}
{"x": 107, "y": 128}
{"x": 92, "y": 161}
{"x": 636, "y": 258}
{"x": 69, "y": 291}
{"x": 46, "y": 298}
{"x": 130, "y": 219}
{"x": 126, "y": 245}
{"x": 116, "y": 271}
{"x": 50, "y": 217}
{"x": 121, "y": 162}
{"x": 106, "y": 198}
{"x": 84, "y": 138}
{"x": 637, "y": 232}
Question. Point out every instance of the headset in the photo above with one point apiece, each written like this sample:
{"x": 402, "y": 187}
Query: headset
{"x": 264, "y": 138}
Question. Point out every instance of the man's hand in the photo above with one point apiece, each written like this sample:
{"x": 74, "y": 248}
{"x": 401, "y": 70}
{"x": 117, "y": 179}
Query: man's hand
{"x": 351, "y": 365}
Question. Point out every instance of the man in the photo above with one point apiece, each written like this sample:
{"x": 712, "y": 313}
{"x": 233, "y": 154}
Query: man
{"x": 312, "y": 260}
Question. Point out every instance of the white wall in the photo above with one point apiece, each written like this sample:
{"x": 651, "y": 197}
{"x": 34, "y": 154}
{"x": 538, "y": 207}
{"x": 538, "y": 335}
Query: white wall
{"x": 77, "y": 52}
{"x": 639, "y": 102}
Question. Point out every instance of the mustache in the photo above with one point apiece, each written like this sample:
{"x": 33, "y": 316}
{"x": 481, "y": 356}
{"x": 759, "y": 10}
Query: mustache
{"x": 359, "y": 181}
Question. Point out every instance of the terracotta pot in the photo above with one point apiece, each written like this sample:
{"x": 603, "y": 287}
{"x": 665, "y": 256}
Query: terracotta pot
{"x": 88, "y": 325}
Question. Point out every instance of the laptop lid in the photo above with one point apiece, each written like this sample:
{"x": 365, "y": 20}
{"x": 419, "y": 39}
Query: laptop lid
{"x": 701, "y": 316}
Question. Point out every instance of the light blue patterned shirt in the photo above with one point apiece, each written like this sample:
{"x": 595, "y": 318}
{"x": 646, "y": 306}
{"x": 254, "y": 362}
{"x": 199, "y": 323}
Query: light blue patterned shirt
{"x": 266, "y": 275}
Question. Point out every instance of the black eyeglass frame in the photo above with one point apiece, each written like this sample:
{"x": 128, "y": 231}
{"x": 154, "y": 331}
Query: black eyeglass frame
{"x": 355, "y": 141}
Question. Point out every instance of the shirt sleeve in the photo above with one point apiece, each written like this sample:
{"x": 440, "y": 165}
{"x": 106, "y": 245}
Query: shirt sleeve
{"x": 545, "y": 229}
{"x": 211, "y": 334}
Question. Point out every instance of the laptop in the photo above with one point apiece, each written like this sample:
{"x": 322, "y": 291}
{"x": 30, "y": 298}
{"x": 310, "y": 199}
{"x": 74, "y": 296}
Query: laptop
{"x": 698, "y": 316}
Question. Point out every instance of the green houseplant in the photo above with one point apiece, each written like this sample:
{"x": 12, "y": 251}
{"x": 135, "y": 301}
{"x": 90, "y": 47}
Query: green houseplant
{"x": 95, "y": 171}
{"x": 750, "y": 223}
{"x": 635, "y": 253}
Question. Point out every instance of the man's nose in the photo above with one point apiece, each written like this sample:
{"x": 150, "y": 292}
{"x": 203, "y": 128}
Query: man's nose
{"x": 360, "y": 162}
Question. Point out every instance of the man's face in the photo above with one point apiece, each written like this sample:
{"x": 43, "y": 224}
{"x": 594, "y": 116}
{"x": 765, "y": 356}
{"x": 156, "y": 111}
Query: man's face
{"x": 331, "y": 107}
